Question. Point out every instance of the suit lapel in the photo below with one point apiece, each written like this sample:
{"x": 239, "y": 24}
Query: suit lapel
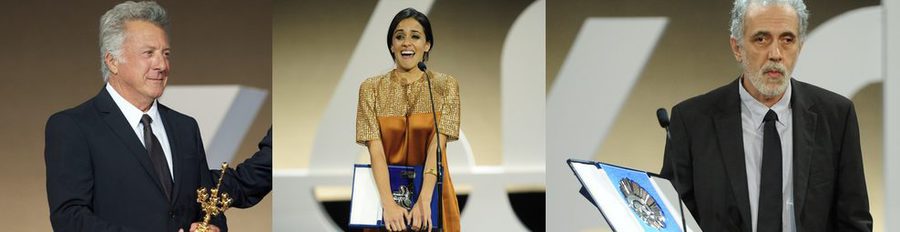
{"x": 731, "y": 146}
{"x": 116, "y": 121}
{"x": 804, "y": 131}
{"x": 164, "y": 113}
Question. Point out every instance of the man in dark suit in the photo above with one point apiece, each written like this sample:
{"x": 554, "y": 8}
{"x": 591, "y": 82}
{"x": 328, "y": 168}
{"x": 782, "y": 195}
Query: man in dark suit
{"x": 767, "y": 152}
{"x": 122, "y": 161}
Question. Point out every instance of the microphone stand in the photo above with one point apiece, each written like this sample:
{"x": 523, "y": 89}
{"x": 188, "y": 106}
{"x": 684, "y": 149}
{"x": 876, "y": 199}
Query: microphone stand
{"x": 663, "y": 119}
{"x": 437, "y": 136}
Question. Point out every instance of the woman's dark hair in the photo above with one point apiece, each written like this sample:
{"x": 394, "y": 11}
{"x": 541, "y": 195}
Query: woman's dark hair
{"x": 419, "y": 17}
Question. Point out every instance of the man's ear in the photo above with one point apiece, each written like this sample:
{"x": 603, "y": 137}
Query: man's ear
{"x": 736, "y": 49}
{"x": 111, "y": 63}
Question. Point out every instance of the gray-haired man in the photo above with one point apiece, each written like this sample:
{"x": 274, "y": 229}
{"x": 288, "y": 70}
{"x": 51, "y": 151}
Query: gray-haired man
{"x": 122, "y": 161}
{"x": 767, "y": 152}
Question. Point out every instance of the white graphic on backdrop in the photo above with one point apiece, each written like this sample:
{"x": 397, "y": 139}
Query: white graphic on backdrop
{"x": 602, "y": 66}
{"x": 844, "y": 54}
{"x": 522, "y": 97}
{"x": 891, "y": 93}
{"x": 224, "y": 113}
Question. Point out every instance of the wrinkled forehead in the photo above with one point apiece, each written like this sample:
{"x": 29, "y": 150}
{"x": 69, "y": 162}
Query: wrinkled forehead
{"x": 141, "y": 29}
{"x": 774, "y": 18}
{"x": 140, "y": 25}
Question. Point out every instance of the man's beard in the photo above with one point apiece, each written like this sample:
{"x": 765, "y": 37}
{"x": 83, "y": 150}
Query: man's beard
{"x": 768, "y": 87}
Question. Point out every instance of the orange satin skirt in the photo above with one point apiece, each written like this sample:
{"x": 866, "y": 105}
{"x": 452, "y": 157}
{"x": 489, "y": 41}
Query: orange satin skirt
{"x": 405, "y": 140}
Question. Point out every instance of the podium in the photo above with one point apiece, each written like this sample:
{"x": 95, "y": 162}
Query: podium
{"x": 406, "y": 184}
{"x": 631, "y": 200}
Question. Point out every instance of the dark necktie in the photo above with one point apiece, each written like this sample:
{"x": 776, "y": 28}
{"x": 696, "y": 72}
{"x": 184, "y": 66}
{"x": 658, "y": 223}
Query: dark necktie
{"x": 770, "y": 201}
{"x": 157, "y": 156}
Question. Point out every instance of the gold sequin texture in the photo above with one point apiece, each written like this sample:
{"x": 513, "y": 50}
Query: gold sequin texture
{"x": 387, "y": 95}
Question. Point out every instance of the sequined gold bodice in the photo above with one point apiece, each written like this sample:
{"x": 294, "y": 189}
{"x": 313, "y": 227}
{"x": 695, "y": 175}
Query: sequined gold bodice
{"x": 391, "y": 110}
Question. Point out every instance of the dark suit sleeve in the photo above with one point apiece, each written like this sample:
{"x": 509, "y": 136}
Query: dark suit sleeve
{"x": 70, "y": 178}
{"x": 851, "y": 198}
{"x": 677, "y": 159}
{"x": 251, "y": 180}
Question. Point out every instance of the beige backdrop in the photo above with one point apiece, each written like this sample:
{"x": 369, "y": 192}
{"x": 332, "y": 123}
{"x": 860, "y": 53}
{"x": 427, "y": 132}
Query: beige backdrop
{"x": 692, "y": 57}
{"x": 50, "y": 62}
{"x": 313, "y": 41}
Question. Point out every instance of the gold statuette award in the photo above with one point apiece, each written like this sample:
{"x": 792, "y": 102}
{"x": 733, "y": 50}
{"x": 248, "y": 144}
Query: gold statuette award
{"x": 212, "y": 202}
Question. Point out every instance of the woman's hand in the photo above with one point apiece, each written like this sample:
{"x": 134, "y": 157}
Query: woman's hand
{"x": 395, "y": 217}
{"x": 421, "y": 216}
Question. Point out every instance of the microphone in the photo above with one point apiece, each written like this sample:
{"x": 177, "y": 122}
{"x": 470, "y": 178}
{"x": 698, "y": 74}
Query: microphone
{"x": 421, "y": 66}
{"x": 437, "y": 132}
{"x": 663, "y": 118}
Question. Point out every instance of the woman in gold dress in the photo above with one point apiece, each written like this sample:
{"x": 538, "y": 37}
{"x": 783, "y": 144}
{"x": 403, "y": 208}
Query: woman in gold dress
{"x": 394, "y": 121}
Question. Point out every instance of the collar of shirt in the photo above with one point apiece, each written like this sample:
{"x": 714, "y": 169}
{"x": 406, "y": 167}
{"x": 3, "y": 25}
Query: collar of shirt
{"x": 758, "y": 111}
{"x": 132, "y": 113}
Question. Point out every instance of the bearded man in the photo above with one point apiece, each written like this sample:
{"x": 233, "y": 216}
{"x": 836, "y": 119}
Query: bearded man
{"x": 767, "y": 152}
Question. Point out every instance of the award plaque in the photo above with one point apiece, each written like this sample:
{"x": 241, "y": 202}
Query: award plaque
{"x": 365, "y": 203}
{"x": 212, "y": 202}
{"x": 642, "y": 203}
{"x": 632, "y": 200}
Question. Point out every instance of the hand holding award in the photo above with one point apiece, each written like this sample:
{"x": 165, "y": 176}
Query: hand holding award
{"x": 212, "y": 203}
